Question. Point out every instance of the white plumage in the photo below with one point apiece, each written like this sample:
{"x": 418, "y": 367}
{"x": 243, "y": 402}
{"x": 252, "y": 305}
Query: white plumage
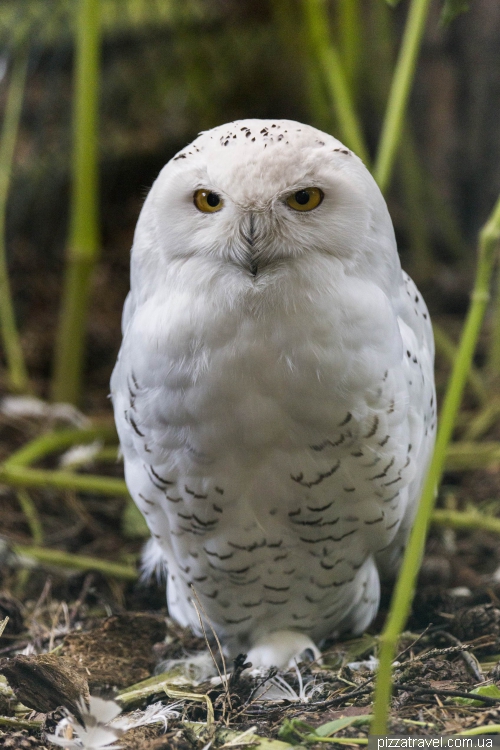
{"x": 274, "y": 391}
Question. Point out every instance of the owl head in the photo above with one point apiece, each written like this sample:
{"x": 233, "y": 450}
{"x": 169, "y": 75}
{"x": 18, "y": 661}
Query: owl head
{"x": 255, "y": 197}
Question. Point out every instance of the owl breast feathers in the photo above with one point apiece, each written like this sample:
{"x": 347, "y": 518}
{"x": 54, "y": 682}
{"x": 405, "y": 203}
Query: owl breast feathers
{"x": 274, "y": 391}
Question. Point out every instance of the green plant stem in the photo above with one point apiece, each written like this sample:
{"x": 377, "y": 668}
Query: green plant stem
{"x": 296, "y": 44}
{"x": 76, "y": 562}
{"x": 463, "y": 456}
{"x": 466, "y": 521}
{"x": 51, "y": 442}
{"x": 83, "y": 240}
{"x": 22, "y": 476}
{"x": 400, "y": 91}
{"x": 317, "y": 24}
{"x": 416, "y": 210}
{"x": 17, "y": 376}
{"x": 493, "y": 361}
{"x": 350, "y": 41}
{"x": 405, "y": 586}
{"x": 483, "y": 420}
{"x": 446, "y": 347}
{"x": 31, "y": 514}
{"x": 7, "y": 721}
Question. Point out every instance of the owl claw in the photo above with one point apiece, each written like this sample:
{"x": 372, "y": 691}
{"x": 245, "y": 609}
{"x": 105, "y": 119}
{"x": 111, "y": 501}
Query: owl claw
{"x": 283, "y": 649}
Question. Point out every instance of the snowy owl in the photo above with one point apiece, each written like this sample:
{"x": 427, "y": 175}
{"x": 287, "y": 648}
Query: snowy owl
{"x": 274, "y": 392}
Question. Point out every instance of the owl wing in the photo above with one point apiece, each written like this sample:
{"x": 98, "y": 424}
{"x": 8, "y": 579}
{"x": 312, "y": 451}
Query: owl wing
{"x": 418, "y": 352}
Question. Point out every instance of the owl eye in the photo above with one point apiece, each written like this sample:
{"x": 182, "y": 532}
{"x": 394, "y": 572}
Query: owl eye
{"x": 208, "y": 202}
{"x": 305, "y": 200}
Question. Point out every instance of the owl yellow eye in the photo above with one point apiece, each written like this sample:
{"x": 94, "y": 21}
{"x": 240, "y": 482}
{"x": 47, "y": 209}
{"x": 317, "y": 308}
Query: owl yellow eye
{"x": 208, "y": 202}
{"x": 305, "y": 200}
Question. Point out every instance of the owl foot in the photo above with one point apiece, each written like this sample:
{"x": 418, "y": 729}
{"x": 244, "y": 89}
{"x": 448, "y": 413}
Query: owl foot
{"x": 282, "y": 649}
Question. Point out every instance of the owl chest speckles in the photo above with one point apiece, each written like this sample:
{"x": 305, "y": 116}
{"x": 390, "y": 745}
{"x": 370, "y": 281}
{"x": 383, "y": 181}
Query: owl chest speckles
{"x": 273, "y": 519}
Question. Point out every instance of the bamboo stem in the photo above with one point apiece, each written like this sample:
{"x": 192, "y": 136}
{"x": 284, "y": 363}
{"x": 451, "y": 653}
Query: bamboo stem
{"x": 493, "y": 360}
{"x": 317, "y": 24}
{"x": 466, "y": 521}
{"x": 76, "y": 562}
{"x": 22, "y": 476}
{"x": 400, "y": 91}
{"x": 17, "y": 376}
{"x": 405, "y": 585}
{"x": 483, "y": 420}
{"x": 54, "y": 441}
{"x": 446, "y": 347}
{"x": 31, "y": 514}
{"x": 83, "y": 243}
{"x": 350, "y": 27}
{"x": 464, "y": 456}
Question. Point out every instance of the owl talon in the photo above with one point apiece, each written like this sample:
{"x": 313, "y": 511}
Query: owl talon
{"x": 283, "y": 649}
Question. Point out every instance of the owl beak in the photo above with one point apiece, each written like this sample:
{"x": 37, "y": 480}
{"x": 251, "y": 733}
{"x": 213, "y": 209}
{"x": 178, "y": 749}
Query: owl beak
{"x": 249, "y": 234}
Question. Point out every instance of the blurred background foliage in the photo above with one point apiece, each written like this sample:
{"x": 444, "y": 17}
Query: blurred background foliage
{"x": 170, "y": 68}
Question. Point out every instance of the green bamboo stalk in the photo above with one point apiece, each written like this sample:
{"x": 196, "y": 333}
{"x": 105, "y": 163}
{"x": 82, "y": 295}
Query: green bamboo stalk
{"x": 30, "y": 512}
{"x": 446, "y": 347}
{"x": 416, "y": 210}
{"x": 493, "y": 358}
{"x": 463, "y": 456}
{"x": 17, "y": 376}
{"x": 83, "y": 244}
{"x": 77, "y": 562}
{"x": 51, "y": 442}
{"x": 22, "y": 476}
{"x": 400, "y": 91}
{"x": 317, "y": 25}
{"x": 350, "y": 39}
{"x": 483, "y": 420}
{"x": 466, "y": 521}
{"x": 401, "y": 602}
{"x": 297, "y": 43}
